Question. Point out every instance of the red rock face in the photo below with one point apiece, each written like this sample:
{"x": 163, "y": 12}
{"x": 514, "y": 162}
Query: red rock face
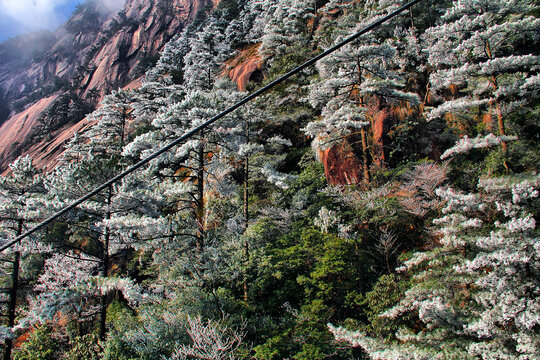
{"x": 382, "y": 116}
{"x": 381, "y": 120}
{"x": 46, "y": 153}
{"x": 341, "y": 165}
{"x": 17, "y": 129}
{"x": 91, "y": 59}
{"x": 153, "y": 26}
{"x": 241, "y": 67}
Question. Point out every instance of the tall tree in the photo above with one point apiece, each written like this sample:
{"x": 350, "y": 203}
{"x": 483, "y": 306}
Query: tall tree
{"x": 287, "y": 26}
{"x": 203, "y": 61}
{"x": 354, "y": 85}
{"x": 21, "y": 194}
{"x": 485, "y": 62}
{"x": 472, "y": 296}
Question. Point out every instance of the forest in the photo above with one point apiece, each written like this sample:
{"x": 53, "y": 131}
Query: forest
{"x": 380, "y": 205}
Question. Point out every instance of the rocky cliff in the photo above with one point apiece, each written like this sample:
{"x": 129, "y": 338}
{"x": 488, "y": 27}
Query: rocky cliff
{"x": 98, "y": 50}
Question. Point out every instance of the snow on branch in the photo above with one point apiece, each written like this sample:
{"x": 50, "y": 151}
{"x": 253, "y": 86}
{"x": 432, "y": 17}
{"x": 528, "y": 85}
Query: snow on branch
{"x": 211, "y": 341}
{"x": 465, "y": 144}
{"x": 275, "y": 177}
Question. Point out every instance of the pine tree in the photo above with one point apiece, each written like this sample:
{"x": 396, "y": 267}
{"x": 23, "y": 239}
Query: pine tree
{"x": 21, "y": 195}
{"x": 483, "y": 67}
{"x": 287, "y": 26}
{"x": 169, "y": 68}
{"x": 109, "y": 133}
{"x": 207, "y": 52}
{"x": 355, "y": 83}
{"x": 474, "y": 294}
{"x": 125, "y": 216}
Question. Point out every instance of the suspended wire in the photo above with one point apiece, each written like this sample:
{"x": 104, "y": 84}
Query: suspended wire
{"x": 203, "y": 126}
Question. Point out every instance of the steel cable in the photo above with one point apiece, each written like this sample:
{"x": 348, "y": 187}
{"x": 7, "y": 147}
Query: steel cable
{"x": 207, "y": 124}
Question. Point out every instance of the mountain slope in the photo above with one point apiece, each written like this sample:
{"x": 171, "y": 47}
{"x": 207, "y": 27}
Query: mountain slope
{"x": 95, "y": 52}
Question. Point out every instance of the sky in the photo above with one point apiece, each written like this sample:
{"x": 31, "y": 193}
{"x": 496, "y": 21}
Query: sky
{"x": 22, "y": 16}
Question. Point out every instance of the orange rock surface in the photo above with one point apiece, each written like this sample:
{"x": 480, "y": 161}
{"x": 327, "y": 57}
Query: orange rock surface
{"x": 15, "y": 131}
{"x": 240, "y": 68}
{"x": 341, "y": 165}
{"x": 147, "y": 29}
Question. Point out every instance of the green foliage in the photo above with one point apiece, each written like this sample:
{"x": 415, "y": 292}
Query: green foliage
{"x": 228, "y": 9}
{"x": 120, "y": 319}
{"x": 146, "y": 62}
{"x": 86, "y": 347}
{"x": 296, "y": 54}
{"x": 311, "y": 278}
{"x": 41, "y": 344}
{"x": 87, "y": 19}
{"x": 116, "y": 349}
{"x": 385, "y": 294}
{"x": 307, "y": 187}
{"x": 415, "y": 138}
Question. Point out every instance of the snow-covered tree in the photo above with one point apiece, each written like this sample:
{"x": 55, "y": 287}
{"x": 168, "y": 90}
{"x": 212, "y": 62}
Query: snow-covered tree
{"x": 22, "y": 204}
{"x": 207, "y": 52}
{"x": 247, "y": 27}
{"x": 355, "y": 83}
{"x": 288, "y": 25}
{"x": 126, "y": 216}
{"x": 210, "y": 341}
{"x": 70, "y": 288}
{"x": 478, "y": 53}
{"x": 474, "y": 295}
{"x": 20, "y": 194}
{"x": 109, "y": 133}
{"x": 185, "y": 171}
{"x": 21, "y": 198}
{"x": 169, "y": 68}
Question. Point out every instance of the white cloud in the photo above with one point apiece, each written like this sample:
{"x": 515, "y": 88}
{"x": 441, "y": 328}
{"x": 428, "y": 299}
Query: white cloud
{"x": 33, "y": 14}
{"x": 112, "y": 5}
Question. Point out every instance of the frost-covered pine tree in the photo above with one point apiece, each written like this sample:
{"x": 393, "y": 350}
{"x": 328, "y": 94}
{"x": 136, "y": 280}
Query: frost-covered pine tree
{"x": 21, "y": 207}
{"x": 70, "y": 288}
{"x": 169, "y": 68}
{"x": 478, "y": 52}
{"x": 474, "y": 295}
{"x": 125, "y": 216}
{"x": 260, "y": 13}
{"x": 109, "y": 133}
{"x": 207, "y": 52}
{"x": 211, "y": 341}
{"x": 247, "y": 27}
{"x": 186, "y": 170}
{"x": 287, "y": 26}
{"x": 21, "y": 201}
{"x": 244, "y": 149}
{"x": 354, "y": 84}
{"x": 148, "y": 100}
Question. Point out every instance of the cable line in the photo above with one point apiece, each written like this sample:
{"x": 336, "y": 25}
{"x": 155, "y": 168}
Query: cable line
{"x": 208, "y": 123}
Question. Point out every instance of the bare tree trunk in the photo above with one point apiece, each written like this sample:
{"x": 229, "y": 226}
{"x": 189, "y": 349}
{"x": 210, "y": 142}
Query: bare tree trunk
{"x": 105, "y": 270}
{"x": 200, "y": 199}
{"x": 13, "y": 295}
{"x": 500, "y": 120}
{"x": 363, "y": 135}
{"x": 246, "y": 219}
{"x": 365, "y": 165}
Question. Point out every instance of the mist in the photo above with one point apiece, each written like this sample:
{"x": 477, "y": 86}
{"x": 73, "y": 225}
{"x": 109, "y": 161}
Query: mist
{"x": 32, "y": 15}
{"x": 108, "y": 6}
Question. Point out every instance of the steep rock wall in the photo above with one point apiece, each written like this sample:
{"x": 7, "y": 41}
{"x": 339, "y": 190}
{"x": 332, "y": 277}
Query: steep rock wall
{"x": 241, "y": 68}
{"x": 94, "y": 53}
{"x": 15, "y": 133}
